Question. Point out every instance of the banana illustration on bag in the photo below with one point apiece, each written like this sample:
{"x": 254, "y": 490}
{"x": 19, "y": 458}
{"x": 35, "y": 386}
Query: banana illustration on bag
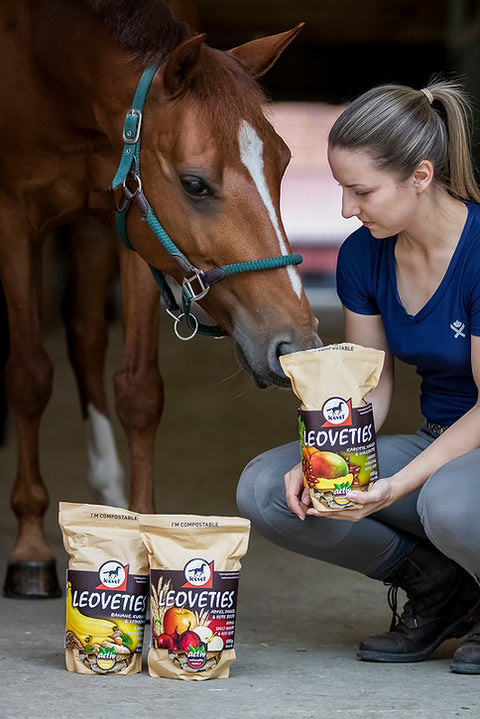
{"x": 87, "y": 629}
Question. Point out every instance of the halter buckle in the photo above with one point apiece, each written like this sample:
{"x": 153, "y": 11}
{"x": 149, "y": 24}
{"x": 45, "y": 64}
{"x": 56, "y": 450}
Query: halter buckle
{"x": 189, "y": 290}
{"x": 132, "y": 126}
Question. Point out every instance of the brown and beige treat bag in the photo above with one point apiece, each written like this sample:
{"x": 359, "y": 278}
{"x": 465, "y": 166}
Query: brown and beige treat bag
{"x": 336, "y": 425}
{"x": 107, "y": 589}
{"x": 194, "y": 571}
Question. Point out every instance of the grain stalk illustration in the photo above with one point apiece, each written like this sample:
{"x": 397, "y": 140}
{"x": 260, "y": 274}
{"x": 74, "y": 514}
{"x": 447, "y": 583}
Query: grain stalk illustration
{"x": 158, "y": 610}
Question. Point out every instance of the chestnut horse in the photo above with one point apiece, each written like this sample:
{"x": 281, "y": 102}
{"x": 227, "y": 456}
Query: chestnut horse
{"x": 84, "y": 82}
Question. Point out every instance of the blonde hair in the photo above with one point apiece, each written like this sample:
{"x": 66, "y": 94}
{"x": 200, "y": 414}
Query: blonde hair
{"x": 401, "y": 126}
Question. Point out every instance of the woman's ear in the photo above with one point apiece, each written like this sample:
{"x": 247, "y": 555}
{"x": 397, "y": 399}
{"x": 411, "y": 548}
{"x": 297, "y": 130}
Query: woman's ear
{"x": 423, "y": 175}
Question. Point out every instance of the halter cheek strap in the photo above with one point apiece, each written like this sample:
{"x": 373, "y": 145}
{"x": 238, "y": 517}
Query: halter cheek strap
{"x": 196, "y": 282}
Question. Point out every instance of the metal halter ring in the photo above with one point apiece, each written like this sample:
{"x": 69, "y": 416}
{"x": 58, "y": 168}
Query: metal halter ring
{"x": 177, "y": 321}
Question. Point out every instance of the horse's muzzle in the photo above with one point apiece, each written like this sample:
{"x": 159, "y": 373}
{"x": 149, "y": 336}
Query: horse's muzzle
{"x": 264, "y": 366}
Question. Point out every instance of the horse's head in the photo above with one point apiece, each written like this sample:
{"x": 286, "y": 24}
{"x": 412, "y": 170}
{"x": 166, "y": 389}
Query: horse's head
{"x": 211, "y": 168}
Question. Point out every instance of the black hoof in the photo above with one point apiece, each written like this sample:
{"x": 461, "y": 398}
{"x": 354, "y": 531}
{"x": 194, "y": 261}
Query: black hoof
{"x": 32, "y": 580}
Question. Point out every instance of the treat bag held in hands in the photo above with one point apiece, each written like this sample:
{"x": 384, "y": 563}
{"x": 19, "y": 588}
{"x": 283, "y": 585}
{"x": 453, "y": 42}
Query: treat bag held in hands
{"x": 336, "y": 425}
{"x": 194, "y": 571}
{"x": 107, "y": 589}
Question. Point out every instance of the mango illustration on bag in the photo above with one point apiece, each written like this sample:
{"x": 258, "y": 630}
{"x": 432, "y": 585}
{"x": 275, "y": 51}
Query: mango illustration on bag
{"x": 336, "y": 425}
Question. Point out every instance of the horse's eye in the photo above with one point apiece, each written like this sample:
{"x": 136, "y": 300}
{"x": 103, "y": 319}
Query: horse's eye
{"x": 195, "y": 186}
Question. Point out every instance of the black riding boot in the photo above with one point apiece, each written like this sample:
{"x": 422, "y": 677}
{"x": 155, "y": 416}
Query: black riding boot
{"x": 441, "y": 598}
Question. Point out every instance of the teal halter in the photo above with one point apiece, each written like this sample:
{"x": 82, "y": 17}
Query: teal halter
{"x": 196, "y": 282}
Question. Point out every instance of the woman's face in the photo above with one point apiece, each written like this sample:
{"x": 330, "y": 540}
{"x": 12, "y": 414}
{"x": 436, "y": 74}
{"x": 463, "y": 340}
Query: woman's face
{"x": 382, "y": 203}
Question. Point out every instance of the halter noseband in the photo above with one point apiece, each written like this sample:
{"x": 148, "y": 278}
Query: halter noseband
{"x": 196, "y": 283}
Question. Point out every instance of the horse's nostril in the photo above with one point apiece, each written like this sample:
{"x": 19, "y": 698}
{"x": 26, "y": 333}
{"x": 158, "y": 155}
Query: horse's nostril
{"x": 284, "y": 348}
{"x": 287, "y": 347}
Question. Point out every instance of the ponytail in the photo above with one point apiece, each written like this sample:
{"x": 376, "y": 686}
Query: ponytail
{"x": 458, "y": 113}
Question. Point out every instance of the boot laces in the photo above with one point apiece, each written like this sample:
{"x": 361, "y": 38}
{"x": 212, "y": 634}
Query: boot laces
{"x": 409, "y": 613}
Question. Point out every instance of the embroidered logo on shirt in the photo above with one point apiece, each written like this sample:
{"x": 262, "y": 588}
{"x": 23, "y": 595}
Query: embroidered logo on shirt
{"x": 457, "y": 327}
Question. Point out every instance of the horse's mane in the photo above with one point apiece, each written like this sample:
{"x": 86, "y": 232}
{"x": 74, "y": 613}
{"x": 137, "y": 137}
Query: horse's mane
{"x": 146, "y": 28}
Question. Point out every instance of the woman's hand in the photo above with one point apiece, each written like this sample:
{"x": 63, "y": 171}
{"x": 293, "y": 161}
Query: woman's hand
{"x": 298, "y": 496}
{"x": 379, "y": 495}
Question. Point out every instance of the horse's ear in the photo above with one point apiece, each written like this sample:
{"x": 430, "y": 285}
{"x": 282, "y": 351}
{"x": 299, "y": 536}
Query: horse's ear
{"x": 258, "y": 56}
{"x": 181, "y": 65}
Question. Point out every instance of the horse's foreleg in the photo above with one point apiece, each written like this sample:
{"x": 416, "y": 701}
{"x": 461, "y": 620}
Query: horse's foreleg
{"x": 138, "y": 383}
{"x": 4, "y": 343}
{"x": 92, "y": 262}
{"x": 29, "y": 377}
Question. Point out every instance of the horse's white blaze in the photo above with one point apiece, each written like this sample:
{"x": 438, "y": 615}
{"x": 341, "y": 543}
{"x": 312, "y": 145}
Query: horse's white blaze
{"x": 105, "y": 472}
{"x": 251, "y": 154}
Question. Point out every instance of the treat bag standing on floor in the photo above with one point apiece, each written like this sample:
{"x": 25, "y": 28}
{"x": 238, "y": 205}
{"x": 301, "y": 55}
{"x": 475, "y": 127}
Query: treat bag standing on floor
{"x": 107, "y": 589}
{"x": 194, "y": 573}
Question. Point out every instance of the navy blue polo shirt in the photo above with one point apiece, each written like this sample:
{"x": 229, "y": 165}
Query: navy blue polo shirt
{"x": 436, "y": 340}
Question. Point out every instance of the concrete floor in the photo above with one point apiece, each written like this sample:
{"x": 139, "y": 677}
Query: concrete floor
{"x": 298, "y": 621}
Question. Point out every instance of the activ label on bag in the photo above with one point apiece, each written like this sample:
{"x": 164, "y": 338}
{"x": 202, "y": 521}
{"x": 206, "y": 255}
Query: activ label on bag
{"x": 339, "y": 450}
